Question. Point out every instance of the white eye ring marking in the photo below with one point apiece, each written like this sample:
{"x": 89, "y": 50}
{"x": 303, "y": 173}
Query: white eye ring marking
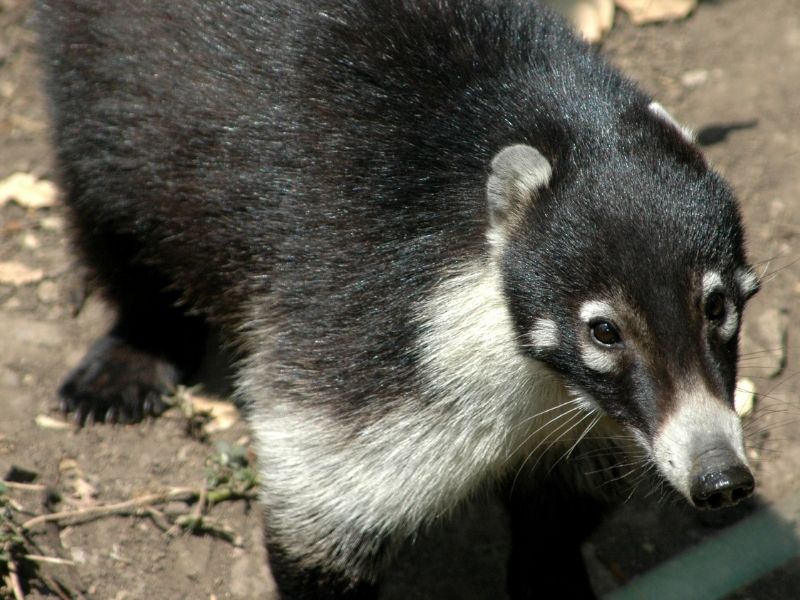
{"x": 595, "y": 356}
{"x": 712, "y": 282}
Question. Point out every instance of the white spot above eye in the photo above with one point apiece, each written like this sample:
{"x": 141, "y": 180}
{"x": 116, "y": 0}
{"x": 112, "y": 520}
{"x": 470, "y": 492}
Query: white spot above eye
{"x": 712, "y": 281}
{"x": 544, "y": 334}
{"x": 597, "y": 309}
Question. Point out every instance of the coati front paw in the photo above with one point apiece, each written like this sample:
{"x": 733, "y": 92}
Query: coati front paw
{"x": 116, "y": 382}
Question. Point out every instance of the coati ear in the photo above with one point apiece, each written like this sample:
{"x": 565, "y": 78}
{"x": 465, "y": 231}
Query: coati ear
{"x": 661, "y": 113}
{"x": 518, "y": 173}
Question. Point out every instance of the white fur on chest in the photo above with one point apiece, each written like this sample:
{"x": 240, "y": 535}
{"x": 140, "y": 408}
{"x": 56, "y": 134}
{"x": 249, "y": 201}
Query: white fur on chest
{"x": 329, "y": 483}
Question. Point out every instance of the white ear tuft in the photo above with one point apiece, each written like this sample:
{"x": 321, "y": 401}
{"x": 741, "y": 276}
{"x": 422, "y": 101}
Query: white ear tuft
{"x": 749, "y": 282}
{"x": 661, "y": 113}
{"x": 518, "y": 171}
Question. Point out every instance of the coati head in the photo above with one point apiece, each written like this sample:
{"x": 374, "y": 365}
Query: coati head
{"x": 624, "y": 270}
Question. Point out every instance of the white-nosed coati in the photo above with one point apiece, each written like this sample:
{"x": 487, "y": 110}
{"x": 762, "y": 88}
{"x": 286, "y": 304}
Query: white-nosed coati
{"x": 449, "y": 243}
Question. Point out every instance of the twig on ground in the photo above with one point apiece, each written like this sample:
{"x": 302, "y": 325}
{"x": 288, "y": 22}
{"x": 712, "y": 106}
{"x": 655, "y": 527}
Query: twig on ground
{"x": 12, "y": 579}
{"x": 94, "y": 512}
{"x": 53, "y": 560}
{"x": 209, "y": 526}
{"x": 28, "y": 487}
{"x": 159, "y": 518}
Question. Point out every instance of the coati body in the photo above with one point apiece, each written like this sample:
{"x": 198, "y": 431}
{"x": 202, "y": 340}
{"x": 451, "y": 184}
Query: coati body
{"x": 452, "y": 247}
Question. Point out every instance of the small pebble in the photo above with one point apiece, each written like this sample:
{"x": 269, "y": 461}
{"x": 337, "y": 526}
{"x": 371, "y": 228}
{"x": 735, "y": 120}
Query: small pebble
{"x": 694, "y": 78}
{"x": 47, "y": 292}
{"x": 30, "y": 241}
{"x": 78, "y": 555}
{"x": 52, "y": 223}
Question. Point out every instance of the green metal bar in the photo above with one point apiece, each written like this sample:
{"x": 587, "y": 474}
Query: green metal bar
{"x": 719, "y": 566}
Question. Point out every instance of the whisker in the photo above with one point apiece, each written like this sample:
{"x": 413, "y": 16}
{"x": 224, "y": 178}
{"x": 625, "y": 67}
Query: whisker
{"x": 529, "y": 418}
{"x": 621, "y": 476}
{"x": 767, "y": 277}
{"x": 559, "y": 438}
{"x": 765, "y": 351}
{"x": 577, "y": 441}
{"x": 532, "y": 452}
{"x": 538, "y": 429}
{"x": 638, "y": 462}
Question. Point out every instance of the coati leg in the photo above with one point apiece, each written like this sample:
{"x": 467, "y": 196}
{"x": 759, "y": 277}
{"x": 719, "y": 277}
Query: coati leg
{"x": 548, "y": 524}
{"x": 152, "y": 346}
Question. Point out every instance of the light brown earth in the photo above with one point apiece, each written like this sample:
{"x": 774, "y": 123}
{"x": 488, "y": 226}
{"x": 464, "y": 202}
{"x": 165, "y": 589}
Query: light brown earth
{"x": 732, "y": 64}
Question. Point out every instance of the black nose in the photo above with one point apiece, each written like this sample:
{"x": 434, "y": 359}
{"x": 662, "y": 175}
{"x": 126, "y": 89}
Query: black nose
{"x": 721, "y": 487}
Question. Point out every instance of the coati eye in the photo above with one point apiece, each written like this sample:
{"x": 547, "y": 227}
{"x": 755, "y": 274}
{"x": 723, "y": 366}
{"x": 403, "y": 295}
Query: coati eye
{"x": 715, "y": 306}
{"x": 604, "y": 332}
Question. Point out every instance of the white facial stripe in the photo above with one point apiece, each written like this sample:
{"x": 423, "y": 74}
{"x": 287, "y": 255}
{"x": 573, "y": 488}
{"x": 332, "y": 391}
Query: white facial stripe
{"x": 748, "y": 282}
{"x": 544, "y": 334}
{"x": 698, "y": 420}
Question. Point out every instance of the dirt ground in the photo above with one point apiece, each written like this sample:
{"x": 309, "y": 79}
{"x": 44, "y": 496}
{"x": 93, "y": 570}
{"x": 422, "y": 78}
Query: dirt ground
{"x": 731, "y": 71}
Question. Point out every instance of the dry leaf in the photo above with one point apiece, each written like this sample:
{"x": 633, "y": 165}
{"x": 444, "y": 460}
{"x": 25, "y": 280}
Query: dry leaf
{"x": 80, "y": 492}
{"x": 744, "y": 397}
{"x": 654, "y": 11}
{"x": 592, "y": 18}
{"x": 15, "y": 273}
{"x": 27, "y": 191}
{"x": 222, "y": 415}
{"x": 46, "y": 422}
{"x": 209, "y": 414}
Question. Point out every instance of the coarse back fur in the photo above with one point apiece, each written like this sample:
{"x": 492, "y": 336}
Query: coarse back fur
{"x": 344, "y": 145}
